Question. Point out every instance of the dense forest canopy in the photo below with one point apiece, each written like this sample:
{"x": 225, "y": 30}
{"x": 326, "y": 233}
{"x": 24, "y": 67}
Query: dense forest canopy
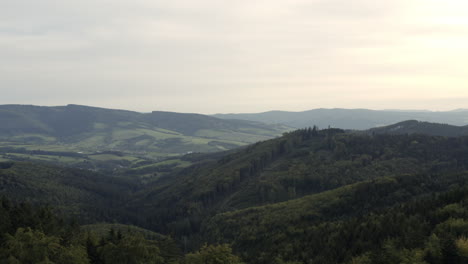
{"x": 310, "y": 196}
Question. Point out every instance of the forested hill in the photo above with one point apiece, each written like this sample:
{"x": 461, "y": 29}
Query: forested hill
{"x": 31, "y": 234}
{"x": 301, "y": 163}
{"x": 85, "y": 195}
{"x": 426, "y": 128}
{"x": 81, "y": 128}
{"x": 322, "y": 197}
{"x": 311, "y": 196}
{"x": 410, "y": 219}
{"x": 359, "y": 119}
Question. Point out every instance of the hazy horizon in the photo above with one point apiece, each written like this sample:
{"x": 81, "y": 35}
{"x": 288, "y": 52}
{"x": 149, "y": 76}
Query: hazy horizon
{"x": 235, "y": 57}
{"x": 271, "y": 110}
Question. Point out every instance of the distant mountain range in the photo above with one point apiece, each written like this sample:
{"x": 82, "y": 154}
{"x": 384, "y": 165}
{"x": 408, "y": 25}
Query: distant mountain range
{"x": 80, "y": 135}
{"x": 359, "y": 119}
{"x": 83, "y": 128}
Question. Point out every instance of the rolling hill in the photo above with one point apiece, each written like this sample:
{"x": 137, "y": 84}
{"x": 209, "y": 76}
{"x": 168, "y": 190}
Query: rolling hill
{"x": 359, "y": 119}
{"x": 310, "y": 196}
{"x": 300, "y": 163}
{"x": 426, "y": 128}
{"x": 88, "y": 196}
{"x": 406, "y": 219}
{"x": 318, "y": 197}
{"x": 86, "y": 130}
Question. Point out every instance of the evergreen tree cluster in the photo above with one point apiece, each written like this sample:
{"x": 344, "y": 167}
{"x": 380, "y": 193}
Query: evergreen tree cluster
{"x": 312, "y": 196}
{"x": 31, "y": 235}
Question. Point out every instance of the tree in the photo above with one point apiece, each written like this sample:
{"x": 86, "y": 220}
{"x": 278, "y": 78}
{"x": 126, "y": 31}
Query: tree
{"x": 462, "y": 248}
{"x": 132, "y": 249}
{"x": 31, "y": 246}
{"x": 219, "y": 254}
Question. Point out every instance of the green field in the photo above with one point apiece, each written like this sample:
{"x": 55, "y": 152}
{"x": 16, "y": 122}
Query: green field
{"x": 90, "y": 137}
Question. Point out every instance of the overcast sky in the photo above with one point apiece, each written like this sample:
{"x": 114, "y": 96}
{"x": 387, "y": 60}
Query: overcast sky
{"x": 213, "y": 56}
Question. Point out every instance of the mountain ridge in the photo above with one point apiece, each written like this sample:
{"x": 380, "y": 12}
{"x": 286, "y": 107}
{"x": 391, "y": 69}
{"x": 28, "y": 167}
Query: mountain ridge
{"x": 359, "y": 119}
{"x": 420, "y": 127}
{"x": 83, "y": 128}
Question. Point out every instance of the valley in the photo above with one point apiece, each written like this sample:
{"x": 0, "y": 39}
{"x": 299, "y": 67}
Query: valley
{"x": 384, "y": 195}
{"x": 233, "y": 132}
{"x": 96, "y": 138}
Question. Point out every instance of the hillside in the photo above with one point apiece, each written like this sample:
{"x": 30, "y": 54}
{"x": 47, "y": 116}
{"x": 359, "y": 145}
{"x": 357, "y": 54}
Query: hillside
{"x": 88, "y": 196}
{"x": 34, "y": 234}
{"x": 310, "y": 196}
{"x": 303, "y": 197}
{"x": 71, "y": 130}
{"x": 426, "y": 128}
{"x": 301, "y": 163}
{"x": 359, "y": 119}
{"x": 370, "y": 222}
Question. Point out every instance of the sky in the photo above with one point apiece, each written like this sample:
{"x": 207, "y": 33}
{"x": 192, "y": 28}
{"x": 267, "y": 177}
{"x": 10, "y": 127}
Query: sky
{"x": 212, "y": 56}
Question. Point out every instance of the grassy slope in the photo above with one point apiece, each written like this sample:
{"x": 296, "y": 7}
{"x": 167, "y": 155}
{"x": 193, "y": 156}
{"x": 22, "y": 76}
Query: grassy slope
{"x": 151, "y": 136}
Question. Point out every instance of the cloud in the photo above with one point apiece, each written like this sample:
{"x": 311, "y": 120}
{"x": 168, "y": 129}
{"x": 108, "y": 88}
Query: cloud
{"x": 176, "y": 54}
